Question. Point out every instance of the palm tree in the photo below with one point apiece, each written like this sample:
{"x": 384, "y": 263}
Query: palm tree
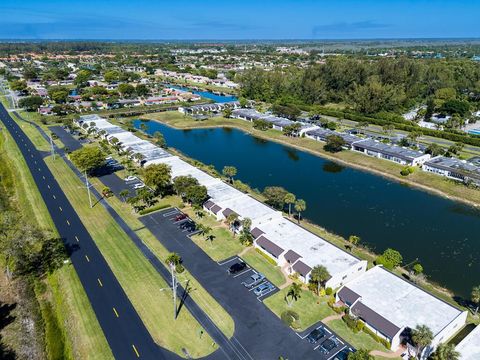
{"x": 422, "y": 337}
{"x": 354, "y": 240}
{"x": 476, "y": 297}
{"x": 319, "y": 275}
{"x": 124, "y": 193}
{"x": 445, "y": 352}
{"x": 290, "y": 199}
{"x": 230, "y": 220}
{"x": 300, "y": 205}
{"x": 294, "y": 293}
{"x": 173, "y": 259}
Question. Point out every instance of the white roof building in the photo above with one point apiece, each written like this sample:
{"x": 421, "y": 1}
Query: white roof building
{"x": 469, "y": 347}
{"x": 389, "y": 304}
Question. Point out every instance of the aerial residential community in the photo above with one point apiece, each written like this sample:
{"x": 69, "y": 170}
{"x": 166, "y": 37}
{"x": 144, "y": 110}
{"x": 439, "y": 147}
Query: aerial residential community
{"x": 215, "y": 181}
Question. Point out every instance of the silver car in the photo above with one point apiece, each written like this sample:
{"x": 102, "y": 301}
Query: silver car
{"x": 263, "y": 289}
{"x": 253, "y": 280}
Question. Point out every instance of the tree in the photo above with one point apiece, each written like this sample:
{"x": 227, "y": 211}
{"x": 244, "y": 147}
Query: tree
{"x": 417, "y": 269}
{"x": 262, "y": 125}
{"x": 289, "y": 199}
{"x": 230, "y": 172}
{"x": 111, "y": 76}
{"x": 275, "y": 196}
{"x": 445, "y": 352}
{"x": 319, "y": 275}
{"x": 334, "y": 143}
{"x": 18, "y": 85}
{"x": 174, "y": 260}
{"x": 196, "y": 194}
{"x": 292, "y": 129}
{"x": 354, "y": 240}
{"x": 388, "y": 128}
{"x": 124, "y": 194}
{"x": 227, "y": 113}
{"x": 294, "y": 293}
{"x": 434, "y": 150}
{"x": 182, "y": 183}
{"x": 475, "y": 297}
{"x": 147, "y": 196}
{"x": 360, "y": 354}
{"x": 142, "y": 90}
{"x": 231, "y": 220}
{"x": 160, "y": 139}
{"x": 390, "y": 259}
{"x": 126, "y": 89}
{"x": 31, "y": 103}
{"x": 246, "y": 237}
{"x": 88, "y": 158}
{"x": 300, "y": 206}
{"x": 59, "y": 94}
{"x": 158, "y": 177}
{"x": 455, "y": 106}
{"x": 422, "y": 337}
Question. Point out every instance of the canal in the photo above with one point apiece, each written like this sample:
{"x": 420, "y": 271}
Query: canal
{"x": 442, "y": 234}
{"x": 207, "y": 94}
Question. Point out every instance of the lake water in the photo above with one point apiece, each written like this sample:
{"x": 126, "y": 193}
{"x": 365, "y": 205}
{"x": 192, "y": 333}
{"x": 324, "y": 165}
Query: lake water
{"x": 442, "y": 234}
{"x": 207, "y": 94}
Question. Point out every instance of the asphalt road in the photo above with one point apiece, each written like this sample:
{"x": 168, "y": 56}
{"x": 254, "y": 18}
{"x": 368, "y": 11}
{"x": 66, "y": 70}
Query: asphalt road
{"x": 126, "y": 334}
{"x": 257, "y": 329}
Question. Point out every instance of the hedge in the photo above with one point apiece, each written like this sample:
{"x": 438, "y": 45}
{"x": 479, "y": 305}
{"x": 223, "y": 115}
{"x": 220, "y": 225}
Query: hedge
{"x": 268, "y": 258}
{"x": 154, "y": 208}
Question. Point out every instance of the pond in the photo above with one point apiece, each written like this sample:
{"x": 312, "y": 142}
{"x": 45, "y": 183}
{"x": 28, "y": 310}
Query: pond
{"x": 207, "y": 94}
{"x": 444, "y": 235}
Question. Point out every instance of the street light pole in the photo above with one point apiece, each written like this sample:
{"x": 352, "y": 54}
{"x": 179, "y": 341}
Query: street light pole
{"x": 52, "y": 147}
{"x": 174, "y": 290}
{"x": 87, "y": 184}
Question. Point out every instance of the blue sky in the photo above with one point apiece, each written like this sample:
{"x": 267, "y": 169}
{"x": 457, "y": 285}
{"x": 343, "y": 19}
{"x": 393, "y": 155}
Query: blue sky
{"x": 246, "y": 19}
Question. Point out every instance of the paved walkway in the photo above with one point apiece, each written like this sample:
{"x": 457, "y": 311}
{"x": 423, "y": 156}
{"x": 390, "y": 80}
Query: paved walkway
{"x": 389, "y": 354}
{"x": 332, "y": 317}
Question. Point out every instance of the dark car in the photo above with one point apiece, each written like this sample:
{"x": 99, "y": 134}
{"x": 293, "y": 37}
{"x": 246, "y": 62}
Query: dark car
{"x": 316, "y": 335}
{"x": 343, "y": 355}
{"x": 180, "y": 217}
{"x": 328, "y": 345}
{"x": 237, "y": 267}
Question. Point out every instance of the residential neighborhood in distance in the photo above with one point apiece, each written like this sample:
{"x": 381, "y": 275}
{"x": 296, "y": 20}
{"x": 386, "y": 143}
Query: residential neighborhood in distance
{"x": 288, "y": 180}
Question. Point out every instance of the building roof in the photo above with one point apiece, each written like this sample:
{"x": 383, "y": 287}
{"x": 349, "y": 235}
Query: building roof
{"x": 348, "y": 296}
{"x": 456, "y": 165}
{"x": 301, "y": 268}
{"x": 324, "y": 133}
{"x": 401, "y": 302}
{"x": 227, "y": 212}
{"x": 208, "y": 204}
{"x": 256, "y": 232}
{"x": 215, "y": 209}
{"x": 393, "y": 150}
{"x": 313, "y": 249}
{"x": 375, "y": 320}
{"x": 469, "y": 347}
{"x": 269, "y": 246}
{"x": 291, "y": 256}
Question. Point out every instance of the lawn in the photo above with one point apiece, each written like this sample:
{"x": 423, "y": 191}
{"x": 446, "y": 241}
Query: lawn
{"x": 259, "y": 263}
{"x": 138, "y": 278}
{"x": 211, "y": 307}
{"x": 83, "y": 336}
{"x": 360, "y": 340}
{"x": 310, "y": 308}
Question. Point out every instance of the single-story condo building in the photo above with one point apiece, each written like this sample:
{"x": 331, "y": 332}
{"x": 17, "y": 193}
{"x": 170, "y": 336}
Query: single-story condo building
{"x": 391, "y": 307}
{"x": 469, "y": 347}
{"x": 394, "y": 153}
{"x": 298, "y": 251}
{"x": 203, "y": 108}
{"x": 322, "y": 134}
{"x": 453, "y": 168}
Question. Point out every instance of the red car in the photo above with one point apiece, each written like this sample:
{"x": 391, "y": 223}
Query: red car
{"x": 180, "y": 217}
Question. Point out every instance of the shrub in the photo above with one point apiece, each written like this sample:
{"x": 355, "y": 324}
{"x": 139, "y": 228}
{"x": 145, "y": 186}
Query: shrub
{"x": 328, "y": 291}
{"x": 351, "y": 323}
{"x": 154, "y": 208}
{"x": 360, "y": 325}
{"x": 268, "y": 258}
{"x": 289, "y": 317}
{"x": 404, "y": 171}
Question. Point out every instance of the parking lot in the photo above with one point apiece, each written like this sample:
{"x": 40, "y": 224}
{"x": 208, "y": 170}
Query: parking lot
{"x": 326, "y": 343}
{"x": 182, "y": 221}
{"x": 255, "y": 282}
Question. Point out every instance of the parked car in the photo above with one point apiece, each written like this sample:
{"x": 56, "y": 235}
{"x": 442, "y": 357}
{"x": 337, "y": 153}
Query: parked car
{"x": 328, "y": 345}
{"x": 130, "y": 178}
{"x": 139, "y": 186}
{"x": 316, "y": 335}
{"x": 263, "y": 289}
{"x": 180, "y": 217}
{"x": 343, "y": 355}
{"x": 254, "y": 280}
{"x": 237, "y": 267}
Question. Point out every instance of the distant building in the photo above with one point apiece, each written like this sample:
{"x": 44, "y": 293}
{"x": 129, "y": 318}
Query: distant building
{"x": 453, "y": 168}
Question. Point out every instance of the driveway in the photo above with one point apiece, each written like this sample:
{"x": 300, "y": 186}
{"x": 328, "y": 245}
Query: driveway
{"x": 258, "y": 330}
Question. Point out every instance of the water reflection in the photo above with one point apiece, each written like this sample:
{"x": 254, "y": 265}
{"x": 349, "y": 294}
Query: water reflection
{"x": 332, "y": 167}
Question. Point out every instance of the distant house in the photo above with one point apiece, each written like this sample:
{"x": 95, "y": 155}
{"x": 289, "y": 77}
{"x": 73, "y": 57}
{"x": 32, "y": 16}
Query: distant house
{"x": 440, "y": 118}
{"x": 45, "y": 110}
{"x": 455, "y": 169}
{"x": 391, "y": 307}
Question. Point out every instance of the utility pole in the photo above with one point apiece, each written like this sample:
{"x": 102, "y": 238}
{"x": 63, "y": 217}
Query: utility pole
{"x": 87, "y": 184}
{"x": 52, "y": 147}
{"x": 174, "y": 290}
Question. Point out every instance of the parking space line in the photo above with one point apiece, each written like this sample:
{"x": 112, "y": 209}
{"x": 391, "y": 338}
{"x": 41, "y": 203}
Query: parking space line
{"x": 136, "y": 351}
{"x": 243, "y": 272}
{"x": 99, "y": 282}
{"x": 60, "y": 207}
{"x": 116, "y": 313}
{"x": 54, "y": 197}
{"x": 227, "y": 261}
{"x": 76, "y": 238}
{"x": 86, "y": 257}
{"x": 48, "y": 186}
{"x": 68, "y": 223}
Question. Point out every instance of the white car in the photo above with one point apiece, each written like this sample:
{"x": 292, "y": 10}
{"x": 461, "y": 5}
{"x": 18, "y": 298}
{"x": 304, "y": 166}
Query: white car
{"x": 130, "y": 178}
{"x": 139, "y": 186}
